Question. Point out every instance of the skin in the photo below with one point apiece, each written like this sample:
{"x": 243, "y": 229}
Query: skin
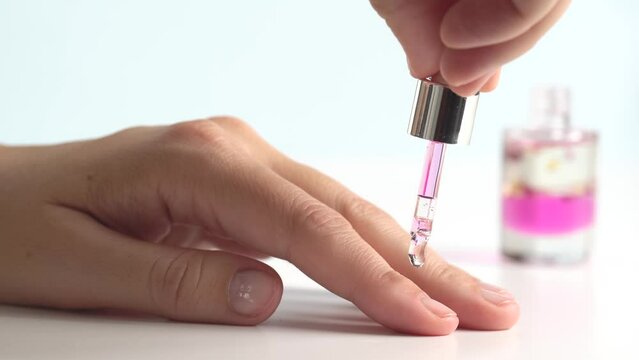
{"x": 464, "y": 43}
{"x": 163, "y": 220}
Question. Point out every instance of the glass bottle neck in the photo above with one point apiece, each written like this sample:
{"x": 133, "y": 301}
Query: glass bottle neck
{"x": 550, "y": 107}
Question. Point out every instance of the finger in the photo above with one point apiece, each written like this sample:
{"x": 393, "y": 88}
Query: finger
{"x": 190, "y": 236}
{"x": 116, "y": 272}
{"x": 274, "y": 216}
{"x": 475, "y": 23}
{"x": 479, "y": 308}
{"x": 492, "y": 83}
{"x": 476, "y": 305}
{"x": 471, "y": 88}
{"x": 485, "y": 83}
{"x": 482, "y": 306}
{"x": 416, "y": 26}
{"x": 458, "y": 66}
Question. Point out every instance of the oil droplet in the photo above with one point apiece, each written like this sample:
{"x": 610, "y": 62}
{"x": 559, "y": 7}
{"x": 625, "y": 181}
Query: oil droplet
{"x": 417, "y": 248}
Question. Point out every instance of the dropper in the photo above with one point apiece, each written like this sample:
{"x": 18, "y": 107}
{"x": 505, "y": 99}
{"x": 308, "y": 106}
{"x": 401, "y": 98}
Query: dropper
{"x": 441, "y": 117}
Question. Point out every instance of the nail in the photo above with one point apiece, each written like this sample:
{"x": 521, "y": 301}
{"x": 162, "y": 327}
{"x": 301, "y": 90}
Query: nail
{"x": 250, "y": 292}
{"x": 436, "y": 307}
{"x": 496, "y": 295}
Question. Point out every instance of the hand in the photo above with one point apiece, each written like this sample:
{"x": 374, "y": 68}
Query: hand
{"x": 464, "y": 43}
{"x": 130, "y": 222}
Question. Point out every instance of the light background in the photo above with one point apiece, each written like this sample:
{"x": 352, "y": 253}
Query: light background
{"x": 325, "y": 81}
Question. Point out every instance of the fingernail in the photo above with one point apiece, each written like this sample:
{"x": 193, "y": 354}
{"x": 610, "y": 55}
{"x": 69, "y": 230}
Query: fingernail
{"x": 495, "y": 294}
{"x": 437, "y": 308}
{"x": 250, "y": 292}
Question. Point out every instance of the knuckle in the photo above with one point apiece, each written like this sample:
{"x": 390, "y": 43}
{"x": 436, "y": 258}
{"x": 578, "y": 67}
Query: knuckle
{"x": 388, "y": 275}
{"x": 233, "y": 124}
{"x": 318, "y": 217}
{"x": 175, "y": 282}
{"x": 198, "y": 141}
{"x": 366, "y": 215}
{"x": 247, "y": 140}
{"x": 311, "y": 216}
{"x": 196, "y": 133}
{"x": 377, "y": 273}
{"x": 357, "y": 207}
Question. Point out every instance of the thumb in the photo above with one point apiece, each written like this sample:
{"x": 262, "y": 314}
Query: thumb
{"x": 210, "y": 286}
{"x": 118, "y": 272}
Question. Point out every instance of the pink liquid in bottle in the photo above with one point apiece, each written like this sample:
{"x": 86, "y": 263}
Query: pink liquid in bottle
{"x": 548, "y": 197}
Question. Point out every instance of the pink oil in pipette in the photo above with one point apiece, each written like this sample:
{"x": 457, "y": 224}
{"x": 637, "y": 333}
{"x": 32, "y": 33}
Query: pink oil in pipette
{"x": 426, "y": 200}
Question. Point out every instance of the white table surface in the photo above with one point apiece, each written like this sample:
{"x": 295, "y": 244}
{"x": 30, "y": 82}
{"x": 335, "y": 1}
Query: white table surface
{"x": 585, "y": 311}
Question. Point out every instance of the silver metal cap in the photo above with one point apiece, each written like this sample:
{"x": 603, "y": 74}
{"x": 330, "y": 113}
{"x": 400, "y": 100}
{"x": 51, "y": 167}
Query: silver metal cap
{"x": 441, "y": 115}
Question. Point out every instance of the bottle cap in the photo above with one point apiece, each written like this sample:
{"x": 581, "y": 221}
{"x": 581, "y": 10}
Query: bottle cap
{"x": 441, "y": 115}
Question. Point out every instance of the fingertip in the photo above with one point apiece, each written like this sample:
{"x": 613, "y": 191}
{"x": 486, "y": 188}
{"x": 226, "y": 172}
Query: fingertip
{"x": 206, "y": 286}
{"x": 419, "y": 315}
{"x": 485, "y": 83}
{"x": 447, "y": 317}
{"x": 492, "y": 83}
{"x": 461, "y": 67}
{"x": 418, "y": 70}
{"x": 501, "y": 308}
{"x": 487, "y": 307}
{"x": 465, "y": 91}
{"x": 254, "y": 294}
{"x": 492, "y": 317}
{"x": 507, "y": 316}
{"x": 400, "y": 305}
{"x": 478, "y": 305}
{"x": 471, "y": 88}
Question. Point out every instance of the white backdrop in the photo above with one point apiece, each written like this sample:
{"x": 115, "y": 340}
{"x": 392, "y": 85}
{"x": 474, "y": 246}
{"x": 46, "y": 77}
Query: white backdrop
{"x": 325, "y": 81}
{"x": 302, "y": 72}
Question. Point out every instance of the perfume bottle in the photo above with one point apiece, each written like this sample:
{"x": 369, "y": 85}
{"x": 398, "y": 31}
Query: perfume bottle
{"x": 548, "y": 188}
